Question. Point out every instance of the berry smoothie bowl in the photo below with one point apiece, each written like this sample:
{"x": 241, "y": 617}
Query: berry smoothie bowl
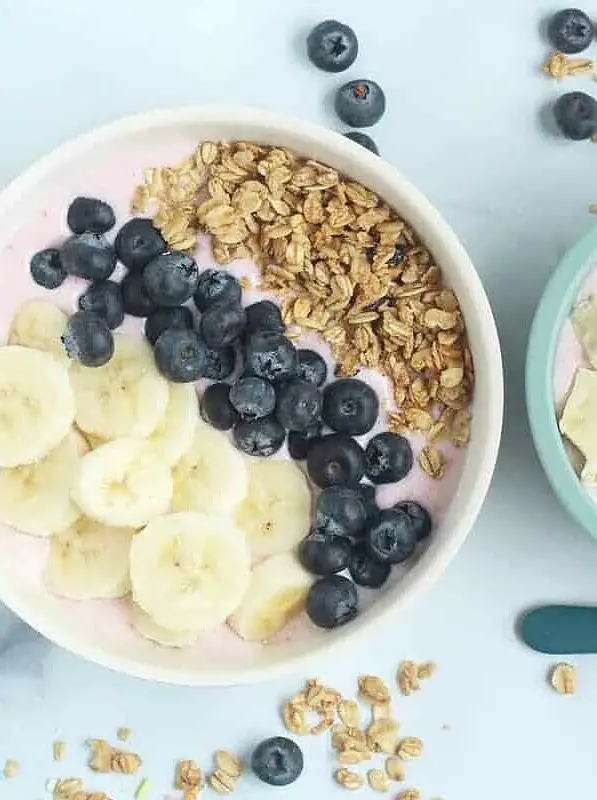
{"x": 252, "y": 394}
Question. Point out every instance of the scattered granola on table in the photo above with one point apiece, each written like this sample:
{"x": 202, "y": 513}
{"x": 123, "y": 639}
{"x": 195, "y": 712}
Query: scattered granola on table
{"x": 11, "y": 768}
{"x": 564, "y": 679}
{"x": 559, "y": 66}
{"x": 344, "y": 265}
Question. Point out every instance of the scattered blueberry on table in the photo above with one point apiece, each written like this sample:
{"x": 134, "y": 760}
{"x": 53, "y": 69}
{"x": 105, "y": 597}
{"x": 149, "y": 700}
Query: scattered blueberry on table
{"x": 571, "y": 31}
{"x": 278, "y": 761}
{"x": 575, "y": 114}
{"x": 332, "y": 46}
{"x": 364, "y": 140}
{"x": 360, "y": 103}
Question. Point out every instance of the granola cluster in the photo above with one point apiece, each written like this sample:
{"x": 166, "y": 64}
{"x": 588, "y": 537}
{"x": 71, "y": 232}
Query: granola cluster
{"x": 344, "y": 265}
{"x": 354, "y": 741}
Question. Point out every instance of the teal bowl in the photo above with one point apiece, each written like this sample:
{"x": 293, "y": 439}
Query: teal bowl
{"x": 553, "y": 310}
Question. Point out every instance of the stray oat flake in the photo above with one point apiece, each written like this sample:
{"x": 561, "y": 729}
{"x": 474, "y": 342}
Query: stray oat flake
{"x": 564, "y": 679}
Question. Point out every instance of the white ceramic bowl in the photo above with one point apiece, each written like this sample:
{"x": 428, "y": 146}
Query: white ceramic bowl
{"x": 140, "y": 658}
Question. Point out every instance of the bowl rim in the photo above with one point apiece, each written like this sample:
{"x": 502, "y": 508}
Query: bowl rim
{"x": 487, "y": 339}
{"x": 552, "y": 311}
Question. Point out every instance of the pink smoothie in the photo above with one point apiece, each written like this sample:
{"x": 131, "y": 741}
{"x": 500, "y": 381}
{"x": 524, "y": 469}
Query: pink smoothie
{"x": 113, "y": 179}
{"x": 568, "y": 358}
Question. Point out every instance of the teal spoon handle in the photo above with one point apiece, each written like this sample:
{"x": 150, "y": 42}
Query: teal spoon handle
{"x": 560, "y": 630}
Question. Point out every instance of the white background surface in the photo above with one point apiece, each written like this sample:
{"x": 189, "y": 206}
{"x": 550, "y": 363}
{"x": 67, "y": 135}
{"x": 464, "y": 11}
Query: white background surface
{"x": 465, "y": 97}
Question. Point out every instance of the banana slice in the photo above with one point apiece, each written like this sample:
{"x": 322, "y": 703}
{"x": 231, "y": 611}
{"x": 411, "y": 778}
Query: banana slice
{"x": 211, "y": 476}
{"x": 174, "y": 434}
{"x": 123, "y": 483}
{"x": 276, "y": 513}
{"x": 89, "y": 561}
{"x": 125, "y": 397}
{"x": 40, "y": 324}
{"x": 37, "y": 406}
{"x": 35, "y": 498}
{"x": 189, "y": 571}
{"x": 277, "y": 593}
{"x": 149, "y": 629}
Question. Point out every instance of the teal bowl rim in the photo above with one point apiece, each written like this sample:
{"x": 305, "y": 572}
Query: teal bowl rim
{"x": 552, "y": 311}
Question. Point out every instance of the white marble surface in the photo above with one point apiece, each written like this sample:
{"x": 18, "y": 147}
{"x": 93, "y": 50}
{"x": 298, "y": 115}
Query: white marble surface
{"x": 464, "y": 101}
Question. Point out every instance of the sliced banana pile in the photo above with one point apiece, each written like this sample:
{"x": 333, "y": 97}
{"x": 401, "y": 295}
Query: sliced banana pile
{"x": 142, "y": 500}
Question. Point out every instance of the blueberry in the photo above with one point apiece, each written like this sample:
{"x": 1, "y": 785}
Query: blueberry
{"x": 180, "y": 355}
{"x": 365, "y": 570}
{"x": 398, "y": 256}
{"x": 222, "y": 324}
{"x": 162, "y": 318}
{"x": 171, "y": 279}
{"x": 368, "y": 495}
{"x": 332, "y": 601}
{"x": 336, "y": 460}
{"x": 104, "y": 298}
{"x": 46, "y": 268}
{"x": 364, "y": 140}
{"x": 570, "y": 31}
{"x": 391, "y": 538}
{"x": 216, "y": 408}
{"x": 360, "y": 103}
{"x": 253, "y": 397}
{"x": 88, "y": 339}
{"x": 137, "y": 302}
{"x": 88, "y": 255}
{"x": 389, "y": 458}
{"x": 576, "y": 115}
{"x": 89, "y": 214}
{"x": 419, "y": 516}
{"x": 341, "y": 510}
{"x": 216, "y": 286}
{"x": 264, "y": 316}
{"x": 277, "y": 761}
{"x": 324, "y": 553}
{"x": 299, "y": 404}
{"x": 350, "y": 406}
{"x": 271, "y": 355}
{"x": 332, "y": 46}
{"x": 300, "y": 443}
{"x": 259, "y": 437}
{"x": 312, "y": 367}
{"x": 220, "y": 363}
{"x": 138, "y": 242}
